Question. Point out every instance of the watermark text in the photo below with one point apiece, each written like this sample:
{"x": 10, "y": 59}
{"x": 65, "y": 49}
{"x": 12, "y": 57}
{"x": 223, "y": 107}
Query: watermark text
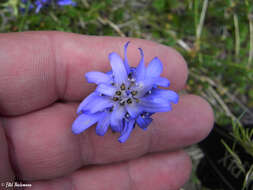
{"x": 8, "y": 184}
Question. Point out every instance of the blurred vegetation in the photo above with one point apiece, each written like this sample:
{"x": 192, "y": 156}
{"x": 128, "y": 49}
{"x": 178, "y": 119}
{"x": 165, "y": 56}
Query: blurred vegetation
{"x": 215, "y": 37}
{"x": 243, "y": 137}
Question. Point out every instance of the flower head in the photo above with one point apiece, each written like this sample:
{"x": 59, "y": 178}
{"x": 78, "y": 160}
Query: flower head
{"x": 39, "y": 4}
{"x": 124, "y": 97}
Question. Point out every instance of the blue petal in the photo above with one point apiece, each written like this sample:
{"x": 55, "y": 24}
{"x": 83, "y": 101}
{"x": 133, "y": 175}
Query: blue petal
{"x": 118, "y": 69}
{"x": 125, "y": 58}
{"x": 98, "y": 104}
{"x": 103, "y": 124}
{"x": 38, "y": 8}
{"x": 106, "y": 89}
{"x": 42, "y": 2}
{"x": 66, "y": 2}
{"x": 144, "y": 86}
{"x": 154, "y": 104}
{"x": 117, "y": 116}
{"x": 109, "y": 73}
{"x": 123, "y": 131}
{"x": 97, "y": 77}
{"x": 84, "y": 121}
{"x": 140, "y": 70}
{"x": 127, "y": 132}
{"x": 161, "y": 81}
{"x": 133, "y": 109}
{"x": 88, "y": 99}
{"x": 154, "y": 68}
{"x": 144, "y": 122}
{"x": 167, "y": 95}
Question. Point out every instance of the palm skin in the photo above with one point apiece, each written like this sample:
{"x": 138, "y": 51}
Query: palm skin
{"x": 41, "y": 83}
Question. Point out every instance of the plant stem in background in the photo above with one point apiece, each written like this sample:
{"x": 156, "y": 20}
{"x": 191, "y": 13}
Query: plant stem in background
{"x": 250, "y": 16}
{"x": 201, "y": 24}
{"x": 237, "y": 37}
{"x": 21, "y": 25}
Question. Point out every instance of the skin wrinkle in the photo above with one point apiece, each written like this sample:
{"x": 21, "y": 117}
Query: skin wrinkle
{"x": 46, "y": 60}
{"x": 153, "y": 132}
{"x": 65, "y": 86}
{"x": 61, "y": 70}
{"x": 150, "y": 142}
{"x": 8, "y": 143}
{"x": 80, "y": 150}
{"x": 92, "y": 146}
{"x": 72, "y": 182}
{"x": 69, "y": 66}
{"x": 34, "y": 61}
{"x": 11, "y": 151}
{"x": 132, "y": 184}
{"x": 90, "y": 154}
{"x": 56, "y": 68}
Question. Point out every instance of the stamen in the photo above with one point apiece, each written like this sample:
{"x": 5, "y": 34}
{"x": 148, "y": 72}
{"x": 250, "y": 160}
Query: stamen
{"x": 127, "y": 115}
{"x": 134, "y": 92}
{"x": 147, "y": 114}
{"x": 115, "y": 98}
{"x": 129, "y": 101}
{"x": 123, "y": 87}
{"x": 130, "y": 76}
{"x": 110, "y": 109}
{"x": 137, "y": 100}
{"x": 122, "y": 102}
{"x": 132, "y": 80}
{"x": 118, "y": 93}
{"x": 138, "y": 84}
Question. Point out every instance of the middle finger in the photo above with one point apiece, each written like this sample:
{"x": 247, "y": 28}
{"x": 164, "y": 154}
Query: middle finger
{"x": 44, "y": 146}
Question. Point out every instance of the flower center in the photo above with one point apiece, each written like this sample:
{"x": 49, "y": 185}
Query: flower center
{"x": 126, "y": 92}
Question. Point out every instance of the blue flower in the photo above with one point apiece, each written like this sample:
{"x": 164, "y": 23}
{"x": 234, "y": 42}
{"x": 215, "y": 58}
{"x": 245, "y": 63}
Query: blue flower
{"x": 124, "y": 97}
{"x": 41, "y": 3}
{"x": 38, "y": 4}
{"x": 25, "y": 3}
{"x": 66, "y": 2}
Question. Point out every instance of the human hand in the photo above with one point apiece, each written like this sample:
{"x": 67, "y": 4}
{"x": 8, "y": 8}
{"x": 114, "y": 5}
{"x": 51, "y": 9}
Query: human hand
{"x": 41, "y": 83}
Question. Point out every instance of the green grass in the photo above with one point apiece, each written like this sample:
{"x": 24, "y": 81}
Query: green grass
{"x": 215, "y": 37}
{"x": 244, "y": 138}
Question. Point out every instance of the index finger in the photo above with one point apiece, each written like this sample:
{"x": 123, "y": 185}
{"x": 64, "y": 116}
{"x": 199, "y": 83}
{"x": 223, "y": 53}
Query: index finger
{"x": 38, "y": 68}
